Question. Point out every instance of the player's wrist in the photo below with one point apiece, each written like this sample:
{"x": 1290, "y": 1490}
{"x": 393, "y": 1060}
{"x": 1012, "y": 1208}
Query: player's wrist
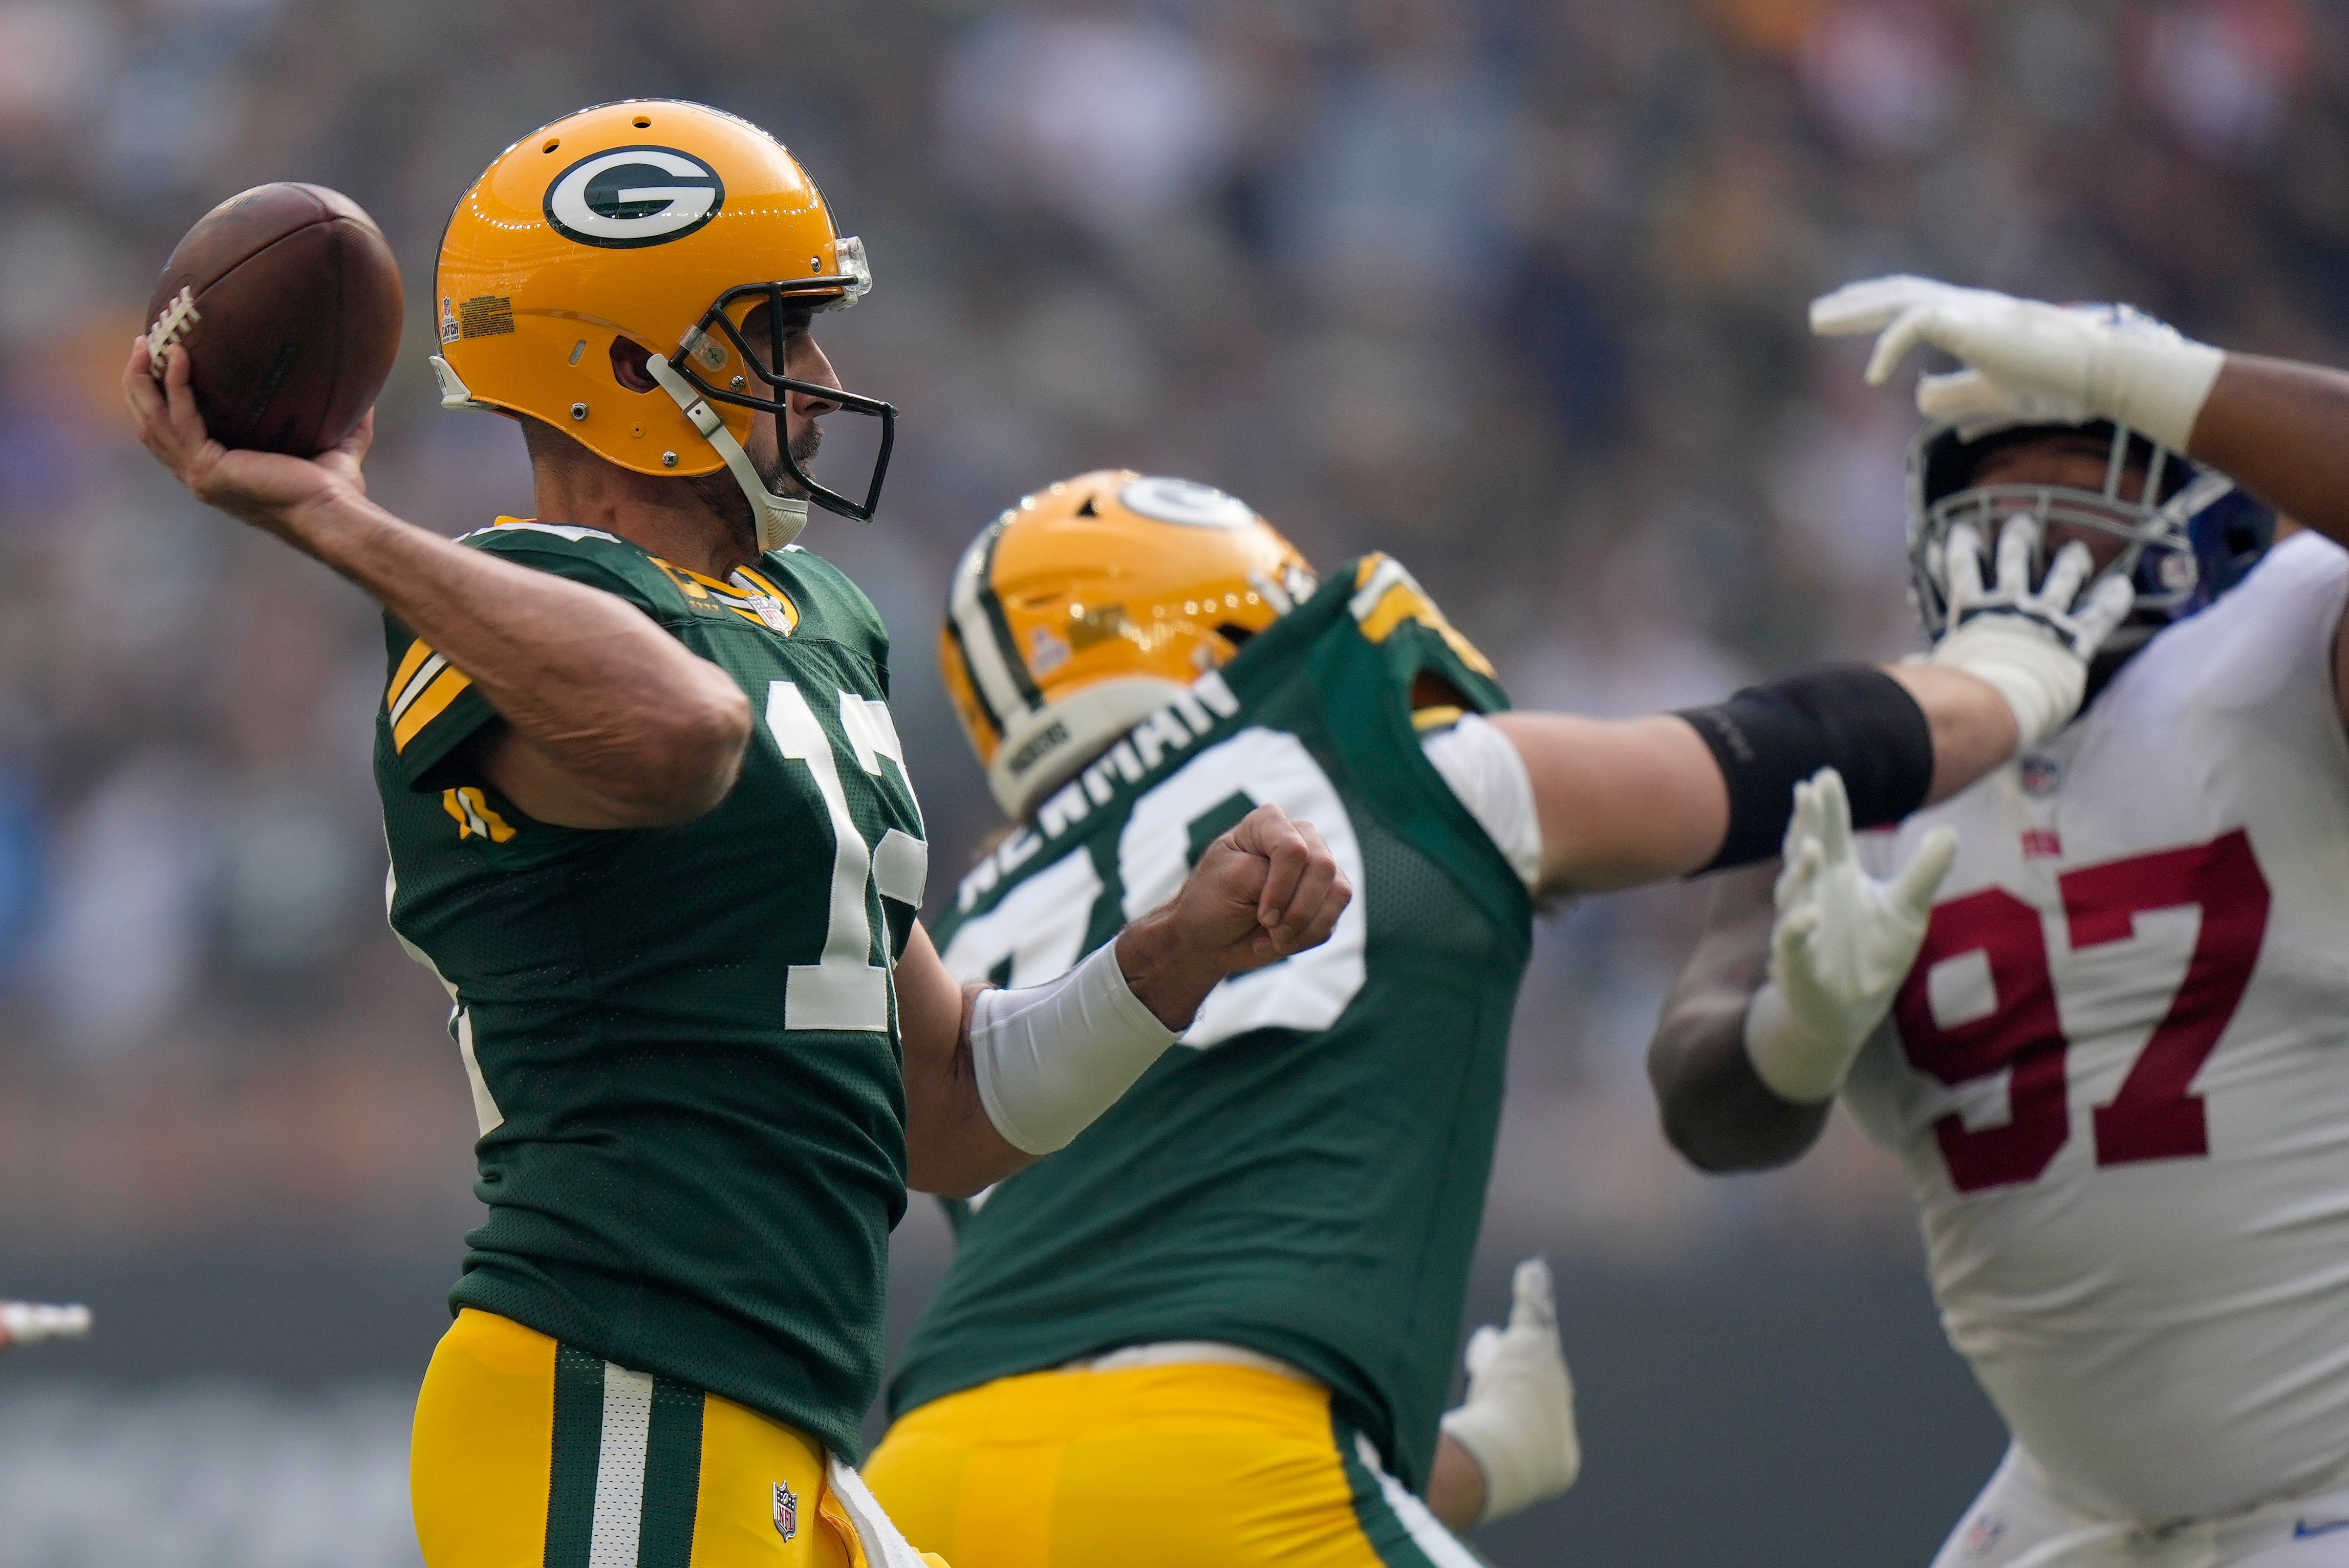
{"x": 1167, "y": 974}
{"x": 1798, "y": 1063}
{"x": 2153, "y": 383}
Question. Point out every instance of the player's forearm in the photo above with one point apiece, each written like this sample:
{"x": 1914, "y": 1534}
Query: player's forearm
{"x": 589, "y": 681}
{"x": 1716, "y": 1109}
{"x": 2281, "y": 429}
{"x": 1632, "y": 801}
{"x": 1973, "y": 729}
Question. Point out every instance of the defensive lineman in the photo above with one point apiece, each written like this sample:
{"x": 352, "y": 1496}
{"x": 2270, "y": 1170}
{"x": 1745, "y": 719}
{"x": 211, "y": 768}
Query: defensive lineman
{"x": 649, "y": 821}
{"x": 1218, "y": 1327}
{"x": 2109, "y": 1050}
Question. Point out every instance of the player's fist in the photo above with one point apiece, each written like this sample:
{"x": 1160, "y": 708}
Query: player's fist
{"x": 1269, "y": 888}
{"x": 1518, "y": 1422}
{"x": 31, "y": 1321}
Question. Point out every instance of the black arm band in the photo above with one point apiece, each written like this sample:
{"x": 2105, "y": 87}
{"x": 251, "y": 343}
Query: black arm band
{"x": 1857, "y": 720}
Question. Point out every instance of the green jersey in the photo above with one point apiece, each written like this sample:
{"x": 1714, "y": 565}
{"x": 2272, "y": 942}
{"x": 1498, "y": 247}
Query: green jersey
{"x": 1304, "y": 1173}
{"x": 682, "y": 1042}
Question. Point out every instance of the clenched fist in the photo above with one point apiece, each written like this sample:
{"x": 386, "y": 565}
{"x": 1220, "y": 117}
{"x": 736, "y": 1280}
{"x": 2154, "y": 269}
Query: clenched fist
{"x": 1267, "y": 889}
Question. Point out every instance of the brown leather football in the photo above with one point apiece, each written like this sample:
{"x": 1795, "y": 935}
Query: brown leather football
{"x": 287, "y": 301}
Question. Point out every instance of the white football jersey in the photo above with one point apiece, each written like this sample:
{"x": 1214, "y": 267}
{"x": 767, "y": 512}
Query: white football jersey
{"x": 2118, "y": 1074}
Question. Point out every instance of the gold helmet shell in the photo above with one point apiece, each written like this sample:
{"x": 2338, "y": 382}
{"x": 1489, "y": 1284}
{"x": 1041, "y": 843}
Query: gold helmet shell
{"x": 1093, "y": 604}
{"x": 647, "y": 231}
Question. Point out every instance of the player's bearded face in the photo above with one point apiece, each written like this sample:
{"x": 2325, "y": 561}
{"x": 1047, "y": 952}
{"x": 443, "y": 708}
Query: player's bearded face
{"x": 805, "y": 361}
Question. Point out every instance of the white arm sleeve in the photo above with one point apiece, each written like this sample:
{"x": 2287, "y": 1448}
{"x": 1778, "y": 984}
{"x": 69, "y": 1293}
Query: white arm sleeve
{"x": 1051, "y": 1057}
{"x": 1485, "y": 772}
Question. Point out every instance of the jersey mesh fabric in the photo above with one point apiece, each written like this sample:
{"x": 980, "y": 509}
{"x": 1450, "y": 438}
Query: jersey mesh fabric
{"x": 1311, "y": 1194}
{"x": 676, "y": 1181}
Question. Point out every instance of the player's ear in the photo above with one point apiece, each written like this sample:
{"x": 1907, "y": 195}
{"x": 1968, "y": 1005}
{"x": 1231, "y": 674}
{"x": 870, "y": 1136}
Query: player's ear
{"x": 632, "y": 366}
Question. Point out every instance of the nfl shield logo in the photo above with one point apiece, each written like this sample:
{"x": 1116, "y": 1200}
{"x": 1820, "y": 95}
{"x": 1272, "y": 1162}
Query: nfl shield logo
{"x": 2040, "y": 774}
{"x": 787, "y": 1512}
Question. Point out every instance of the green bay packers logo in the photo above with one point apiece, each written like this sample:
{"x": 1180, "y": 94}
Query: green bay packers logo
{"x": 632, "y": 196}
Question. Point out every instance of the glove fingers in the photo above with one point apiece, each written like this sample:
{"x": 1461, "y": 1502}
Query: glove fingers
{"x": 2018, "y": 545}
{"x": 1962, "y": 555}
{"x": 2109, "y": 604}
{"x": 1907, "y": 331}
{"x": 1920, "y": 879}
{"x": 1534, "y": 1304}
{"x": 1834, "y": 810}
{"x": 1802, "y": 870}
{"x": 2072, "y": 567}
{"x": 1798, "y": 825}
{"x": 1957, "y": 394}
{"x": 1864, "y": 306}
{"x": 1482, "y": 1346}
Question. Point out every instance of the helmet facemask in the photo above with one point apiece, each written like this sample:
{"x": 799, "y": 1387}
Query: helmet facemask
{"x": 2170, "y": 550}
{"x": 700, "y": 352}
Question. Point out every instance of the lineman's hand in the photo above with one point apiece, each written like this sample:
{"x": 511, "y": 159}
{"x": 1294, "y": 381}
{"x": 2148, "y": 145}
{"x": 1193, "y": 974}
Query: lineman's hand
{"x": 1842, "y": 944}
{"x": 1262, "y": 891}
{"x": 1518, "y": 1422}
{"x": 2058, "y": 363}
{"x": 2032, "y": 643}
{"x": 267, "y": 489}
{"x": 31, "y": 1321}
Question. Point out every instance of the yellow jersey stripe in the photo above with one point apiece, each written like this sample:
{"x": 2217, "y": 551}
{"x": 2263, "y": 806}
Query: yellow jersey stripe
{"x": 1436, "y": 718}
{"x": 429, "y": 707}
{"x": 408, "y": 662}
{"x": 762, "y": 586}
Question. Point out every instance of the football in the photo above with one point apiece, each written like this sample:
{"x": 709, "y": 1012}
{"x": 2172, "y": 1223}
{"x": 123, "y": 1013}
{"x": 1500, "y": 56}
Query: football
{"x": 287, "y": 301}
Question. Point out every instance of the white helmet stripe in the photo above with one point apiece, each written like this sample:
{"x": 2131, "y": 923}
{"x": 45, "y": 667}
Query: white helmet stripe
{"x": 989, "y": 670}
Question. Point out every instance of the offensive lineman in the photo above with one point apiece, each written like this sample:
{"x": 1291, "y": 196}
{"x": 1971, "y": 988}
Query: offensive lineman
{"x": 2108, "y": 1049}
{"x": 649, "y": 822}
{"x": 1218, "y": 1327}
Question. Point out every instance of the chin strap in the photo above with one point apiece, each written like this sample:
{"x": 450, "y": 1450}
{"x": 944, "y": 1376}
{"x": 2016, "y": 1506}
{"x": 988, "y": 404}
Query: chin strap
{"x": 779, "y": 518}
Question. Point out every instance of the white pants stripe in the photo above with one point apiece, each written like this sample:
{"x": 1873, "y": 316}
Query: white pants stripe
{"x": 620, "y": 1468}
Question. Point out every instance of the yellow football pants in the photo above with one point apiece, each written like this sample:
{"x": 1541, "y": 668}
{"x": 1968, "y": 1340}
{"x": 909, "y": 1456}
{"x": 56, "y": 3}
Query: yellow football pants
{"x": 1158, "y": 1467}
{"x": 529, "y": 1454}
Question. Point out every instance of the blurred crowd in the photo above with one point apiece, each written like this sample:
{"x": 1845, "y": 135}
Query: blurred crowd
{"x": 1512, "y": 289}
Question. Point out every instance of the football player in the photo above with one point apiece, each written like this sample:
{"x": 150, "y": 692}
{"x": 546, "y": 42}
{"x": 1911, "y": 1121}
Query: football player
{"x": 2097, "y": 1002}
{"x": 1218, "y": 1327}
{"x": 649, "y": 823}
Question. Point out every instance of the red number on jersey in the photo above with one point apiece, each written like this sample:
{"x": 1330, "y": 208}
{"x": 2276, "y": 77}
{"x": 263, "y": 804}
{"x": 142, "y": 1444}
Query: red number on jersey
{"x": 2154, "y": 1116}
{"x": 2020, "y": 1033}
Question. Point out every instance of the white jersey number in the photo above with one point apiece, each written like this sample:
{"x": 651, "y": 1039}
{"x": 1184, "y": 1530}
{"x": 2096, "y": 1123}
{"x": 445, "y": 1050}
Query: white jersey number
{"x": 1040, "y": 926}
{"x": 845, "y": 989}
{"x": 2155, "y": 1116}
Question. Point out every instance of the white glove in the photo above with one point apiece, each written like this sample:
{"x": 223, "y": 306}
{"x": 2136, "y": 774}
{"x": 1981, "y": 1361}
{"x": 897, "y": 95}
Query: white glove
{"x": 1518, "y": 1422}
{"x": 1842, "y": 944}
{"x": 2032, "y": 644}
{"x": 29, "y": 1323}
{"x": 2103, "y": 361}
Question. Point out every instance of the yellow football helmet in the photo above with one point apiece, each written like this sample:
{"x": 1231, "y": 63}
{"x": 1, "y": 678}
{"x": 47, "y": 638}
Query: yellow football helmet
{"x": 1091, "y": 604}
{"x": 645, "y": 232}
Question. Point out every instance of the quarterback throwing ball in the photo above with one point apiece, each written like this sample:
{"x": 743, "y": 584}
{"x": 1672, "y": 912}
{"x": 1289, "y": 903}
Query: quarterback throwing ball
{"x": 651, "y": 826}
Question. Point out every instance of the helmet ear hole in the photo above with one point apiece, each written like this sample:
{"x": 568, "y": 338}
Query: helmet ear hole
{"x": 632, "y": 366}
{"x": 1088, "y": 508}
{"x": 1234, "y": 634}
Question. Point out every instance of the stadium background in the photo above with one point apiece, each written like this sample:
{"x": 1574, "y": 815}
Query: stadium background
{"x": 1512, "y": 289}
